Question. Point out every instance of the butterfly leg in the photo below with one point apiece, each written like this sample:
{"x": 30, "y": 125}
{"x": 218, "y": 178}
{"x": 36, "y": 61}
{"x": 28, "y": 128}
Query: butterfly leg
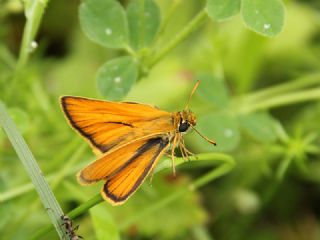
{"x": 182, "y": 151}
{"x": 174, "y": 143}
{"x": 184, "y": 156}
{"x": 186, "y": 151}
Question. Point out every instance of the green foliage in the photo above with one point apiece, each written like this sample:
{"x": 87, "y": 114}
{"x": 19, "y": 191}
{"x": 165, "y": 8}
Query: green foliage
{"x": 144, "y": 21}
{"x": 169, "y": 222}
{"x": 258, "y": 99}
{"x": 21, "y": 118}
{"x": 260, "y": 126}
{"x": 221, "y": 96}
{"x": 103, "y": 223}
{"x": 220, "y": 9}
{"x": 104, "y": 22}
{"x": 116, "y": 77}
{"x": 264, "y": 17}
{"x": 221, "y": 126}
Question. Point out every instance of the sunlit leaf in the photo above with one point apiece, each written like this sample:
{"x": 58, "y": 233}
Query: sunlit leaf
{"x": 263, "y": 17}
{"x": 116, "y": 77}
{"x": 144, "y": 22}
{"x": 222, "y": 9}
{"x": 104, "y": 22}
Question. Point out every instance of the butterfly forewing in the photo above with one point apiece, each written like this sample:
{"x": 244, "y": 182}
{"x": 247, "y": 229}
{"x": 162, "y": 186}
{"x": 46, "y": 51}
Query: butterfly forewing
{"x": 121, "y": 185}
{"x": 108, "y": 125}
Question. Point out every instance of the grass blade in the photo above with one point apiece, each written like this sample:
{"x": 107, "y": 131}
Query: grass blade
{"x": 42, "y": 187}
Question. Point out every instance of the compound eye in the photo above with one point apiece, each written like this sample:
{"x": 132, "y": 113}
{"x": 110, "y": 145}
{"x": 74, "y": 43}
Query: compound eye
{"x": 183, "y": 126}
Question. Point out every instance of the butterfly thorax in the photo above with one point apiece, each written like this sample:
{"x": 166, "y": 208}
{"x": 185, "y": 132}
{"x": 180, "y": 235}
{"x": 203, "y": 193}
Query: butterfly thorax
{"x": 183, "y": 120}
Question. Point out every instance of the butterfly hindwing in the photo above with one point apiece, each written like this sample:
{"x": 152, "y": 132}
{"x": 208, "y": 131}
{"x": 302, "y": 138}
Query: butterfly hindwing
{"x": 121, "y": 185}
{"x": 114, "y": 161}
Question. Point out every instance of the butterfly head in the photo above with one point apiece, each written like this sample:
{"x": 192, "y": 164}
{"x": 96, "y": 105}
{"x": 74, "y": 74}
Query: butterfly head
{"x": 187, "y": 119}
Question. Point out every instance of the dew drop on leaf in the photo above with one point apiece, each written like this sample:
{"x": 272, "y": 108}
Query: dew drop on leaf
{"x": 266, "y": 26}
{"x": 33, "y": 45}
{"x": 117, "y": 79}
{"x": 108, "y": 31}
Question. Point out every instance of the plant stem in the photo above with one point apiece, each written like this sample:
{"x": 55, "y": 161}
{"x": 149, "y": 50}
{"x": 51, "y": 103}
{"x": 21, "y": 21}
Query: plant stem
{"x": 30, "y": 164}
{"x": 286, "y": 99}
{"x": 305, "y": 81}
{"x": 167, "y": 17}
{"x": 182, "y": 35}
{"x": 34, "y": 12}
{"x": 86, "y": 206}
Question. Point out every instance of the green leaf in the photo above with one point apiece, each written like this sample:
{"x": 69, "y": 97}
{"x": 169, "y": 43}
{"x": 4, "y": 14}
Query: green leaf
{"x": 263, "y": 17}
{"x": 103, "y": 223}
{"x": 260, "y": 126}
{"x": 220, "y": 126}
{"x": 104, "y": 22}
{"x": 222, "y": 9}
{"x": 144, "y": 22}
{"x": 213, "y": 90}
{"x": 116, "y": 77}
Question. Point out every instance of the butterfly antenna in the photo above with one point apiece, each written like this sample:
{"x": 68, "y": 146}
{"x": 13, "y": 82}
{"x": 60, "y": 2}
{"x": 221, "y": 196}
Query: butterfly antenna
{"x": 204, "y": 137}
{"x": 192, "y": 92}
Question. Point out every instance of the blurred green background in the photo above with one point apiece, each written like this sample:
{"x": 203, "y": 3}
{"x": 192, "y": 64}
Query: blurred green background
{"x": 259, "y": 99}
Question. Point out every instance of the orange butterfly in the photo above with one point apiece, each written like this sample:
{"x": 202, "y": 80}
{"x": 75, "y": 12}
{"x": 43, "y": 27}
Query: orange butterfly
{"x": 130, "y": 138}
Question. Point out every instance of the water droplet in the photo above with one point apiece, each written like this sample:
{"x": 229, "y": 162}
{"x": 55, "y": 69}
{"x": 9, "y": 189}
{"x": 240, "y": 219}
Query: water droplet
{"x": 228, "y": 133}
{"x": 108, "y": 31}
{"x": 117, "y": 79}
{"x": 266, "y": 26}
{"x": 32, "y": 46}
{"x": 256, "y": 11}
